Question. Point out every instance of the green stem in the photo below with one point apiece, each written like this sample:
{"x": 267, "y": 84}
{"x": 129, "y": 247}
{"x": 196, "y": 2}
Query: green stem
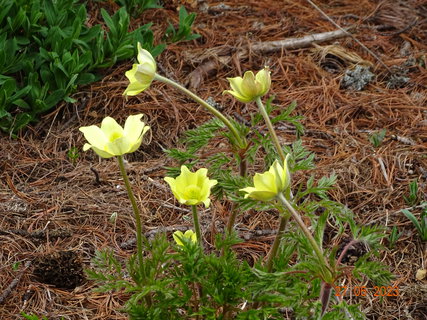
{"x": 270, "y": 128}
{"x": 139, "y": 236}
{"x": 240, "y": 142}
{"x": 307, "y": 233}
{"x": 197, "y": 225}
{"x": 232, "y": 218}
{"x": 273, "y": 251}
{"x": 136, "y": 212}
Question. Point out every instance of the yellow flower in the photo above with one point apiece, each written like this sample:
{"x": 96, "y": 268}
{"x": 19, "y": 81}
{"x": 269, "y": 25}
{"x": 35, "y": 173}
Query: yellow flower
{"x": 189, "y": 235}
{"x": 112, "y": 140}
{"x": 142, "y": 74}
{"x": 250, "y": 87}
{"x": 270, "y": 183}
{"x": 192, "y": 188}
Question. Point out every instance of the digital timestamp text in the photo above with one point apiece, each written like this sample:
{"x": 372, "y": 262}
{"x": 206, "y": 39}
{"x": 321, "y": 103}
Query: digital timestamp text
{"x": 363, "y": 291}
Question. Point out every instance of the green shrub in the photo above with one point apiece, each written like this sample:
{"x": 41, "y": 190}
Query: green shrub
{"x": 47, "y": 50}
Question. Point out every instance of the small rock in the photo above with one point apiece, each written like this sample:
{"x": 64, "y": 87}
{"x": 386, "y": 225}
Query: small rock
{"x": 421, "y": 274}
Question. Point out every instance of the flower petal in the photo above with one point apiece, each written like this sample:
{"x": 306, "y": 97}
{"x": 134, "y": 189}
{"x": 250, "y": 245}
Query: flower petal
{"x": 265, "y": 181}
{"x": 111, "y": 129}
{"x": 94, "y": 136}
{"x": 262, "y": 195}
{"x": 205, "y": 191}
{"x": 144, "y": 73}
{"x": 277, "y": 170}
{"x": 177, "y": 236}
{"x": 207, "y": 202}
{"x": 145, "y": 56}
{"x": 238, "y": 96}
{"x": 236, "y": 85}
{"x": 133, "y": 127}
{"x": 130, "y": 74}
{"x": 135, "y": 87}
{"x": 201, "y": 176}
{"x": 191, "y": 188}
{"x": 249, "y": 87}
{"x": 264, "y": 79}
{"x": 137, "y": 143}
{"x": 102, "y": 153}
{"x": 186, "y": 178}
{"x": 119, "y": 146}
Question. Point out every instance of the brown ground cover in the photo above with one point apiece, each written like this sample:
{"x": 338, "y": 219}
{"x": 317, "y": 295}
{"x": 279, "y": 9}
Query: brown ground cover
{"x": 50, "y": 205}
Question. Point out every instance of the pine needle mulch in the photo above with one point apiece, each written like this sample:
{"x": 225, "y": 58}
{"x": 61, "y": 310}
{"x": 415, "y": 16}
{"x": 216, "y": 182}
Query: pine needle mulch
{"x": 51, "y": 206}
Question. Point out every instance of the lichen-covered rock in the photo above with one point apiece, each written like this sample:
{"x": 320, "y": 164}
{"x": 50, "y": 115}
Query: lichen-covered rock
{"x": 357, "y": 78}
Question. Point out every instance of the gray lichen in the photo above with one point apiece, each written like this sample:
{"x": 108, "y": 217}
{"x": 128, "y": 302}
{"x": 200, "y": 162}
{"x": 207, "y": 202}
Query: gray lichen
{"x": 357, "y": 78}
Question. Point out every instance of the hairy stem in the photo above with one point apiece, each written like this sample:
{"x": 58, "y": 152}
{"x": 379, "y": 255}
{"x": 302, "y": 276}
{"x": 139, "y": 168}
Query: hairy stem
{"x": 344, "y": 251}
{"x": 325, "y": 296}
{"x": 243, "y": 171}
{"x": 197, "y": 225}
{"x": 196, "y": 291}
{"x": 139, "y": 235}
{"x": 243, "y": 167}
{"x": 273, "y": 251}
{"x": 135, "y": 208}
{"x": 307, "y": 233}
{"x": 271, "y": 130}
{"x": 231, "y": 219}
{"x": 241, "y": 143}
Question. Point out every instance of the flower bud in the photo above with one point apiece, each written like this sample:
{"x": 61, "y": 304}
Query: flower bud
{"x": 189, "y": 235}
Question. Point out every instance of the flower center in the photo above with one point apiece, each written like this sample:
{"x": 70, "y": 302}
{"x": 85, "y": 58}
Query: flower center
{"x": 192, "y": 192}
{"x": 114, "y": 136}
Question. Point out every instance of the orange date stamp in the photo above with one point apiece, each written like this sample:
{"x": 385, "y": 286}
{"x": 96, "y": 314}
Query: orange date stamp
{"x": 363, "y": 291}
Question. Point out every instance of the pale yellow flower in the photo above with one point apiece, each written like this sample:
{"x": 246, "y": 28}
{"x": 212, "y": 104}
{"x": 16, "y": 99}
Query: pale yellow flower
{"x": 270, "y": 183}
{"x": 178, "y": 236}
{"x": 250, "y": 87}
{"x": 192, "y": 188}
{"x": 142, "y": 74}
{"x": 112, "y": 140}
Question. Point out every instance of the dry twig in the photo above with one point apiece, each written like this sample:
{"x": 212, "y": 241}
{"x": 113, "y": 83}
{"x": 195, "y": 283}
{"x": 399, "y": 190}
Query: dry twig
{"x": 14, "y": 283}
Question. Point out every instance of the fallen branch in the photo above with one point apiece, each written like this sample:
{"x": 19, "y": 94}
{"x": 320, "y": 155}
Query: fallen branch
{"x": 213, "y": 58}
{"x": 297, "y": 43}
